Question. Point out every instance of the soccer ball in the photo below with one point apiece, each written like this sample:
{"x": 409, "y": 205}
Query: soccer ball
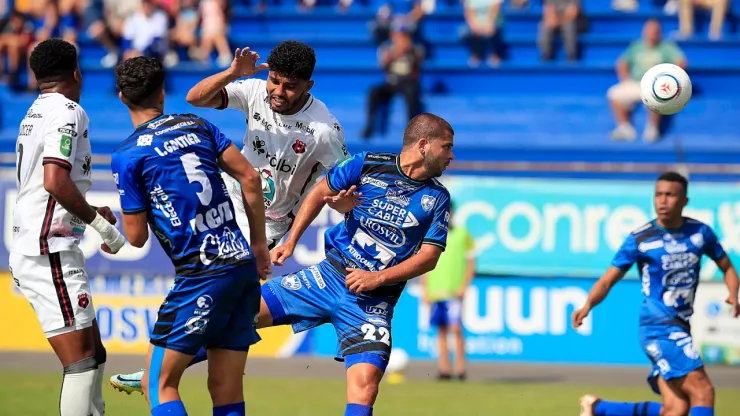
{"x": 665, "y": 89}
{"x": 398, "y": 361}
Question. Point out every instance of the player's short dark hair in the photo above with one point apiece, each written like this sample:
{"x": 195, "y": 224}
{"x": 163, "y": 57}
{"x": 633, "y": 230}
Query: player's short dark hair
{"x": 140, "y": 80}
{"x": 292, "y": 59}
{"x": 675, "y": 177}
{"x": 53, "y": 60}
{"x": 428, "y": 126}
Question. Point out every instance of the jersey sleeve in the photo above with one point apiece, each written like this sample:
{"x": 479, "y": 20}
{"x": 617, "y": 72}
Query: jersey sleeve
{"x": 437, "y": 232}
{"x": 627, "y": 254}
{"x": 61, "y": 135}
{"x": 236, "y": 94}
{"x": 334, "y": 149}
{"x": 219, "y": 138}
{"x": 127, "y": 179}
{"x": 712, "y": 247}
{"x": 346, "y": 174}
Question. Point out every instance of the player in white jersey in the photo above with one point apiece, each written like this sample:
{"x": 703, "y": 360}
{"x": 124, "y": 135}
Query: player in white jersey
{"x": 291, "y": 136}
{"x": 49, "y": 218}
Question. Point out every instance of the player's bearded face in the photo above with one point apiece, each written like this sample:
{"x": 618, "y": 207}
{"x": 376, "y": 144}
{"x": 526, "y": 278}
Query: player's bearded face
{"x": 437, "y": 156}
{"x": 286, "y": 94}
{"x": 670, "y": 199}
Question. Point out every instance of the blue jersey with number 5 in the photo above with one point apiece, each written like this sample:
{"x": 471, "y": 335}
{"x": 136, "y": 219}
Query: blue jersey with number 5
{"x": 169, "y": 169}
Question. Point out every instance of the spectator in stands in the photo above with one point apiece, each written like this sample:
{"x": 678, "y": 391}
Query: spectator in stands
{"x": 105, "y": 20}
{"x": 70, "y": 13}
{"x": 483, "y": 31}
{"x": 213, "y": 31}
{"x": 563, "y": 15}
{"x": 45, "y": 17}
{"x": 686, "y": 16}
{"x": 407, "y": 13}
{"x": 184, "y": 34}
{"x": 145, "y": 32}
{"x": 401, "y": 60}
{"x": 641, "y": 55}
{"x": 16, "y": 32}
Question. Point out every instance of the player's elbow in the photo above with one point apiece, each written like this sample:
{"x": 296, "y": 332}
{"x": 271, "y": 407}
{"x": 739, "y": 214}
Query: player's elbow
{"x": 192, "y": 98}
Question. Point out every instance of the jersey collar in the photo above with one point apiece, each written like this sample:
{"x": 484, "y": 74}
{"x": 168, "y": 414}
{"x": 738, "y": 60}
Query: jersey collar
{"x": 147, "y": 122}
{"x": 683, "y": 222}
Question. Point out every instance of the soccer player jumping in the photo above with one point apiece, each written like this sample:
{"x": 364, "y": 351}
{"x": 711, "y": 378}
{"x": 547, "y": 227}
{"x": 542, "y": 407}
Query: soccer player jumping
{"x": 668, "y": 252}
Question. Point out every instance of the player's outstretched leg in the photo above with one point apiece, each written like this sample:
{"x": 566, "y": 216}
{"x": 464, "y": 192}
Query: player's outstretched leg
{"x": 363, "y": 380}
{"x": 593, "y": 406}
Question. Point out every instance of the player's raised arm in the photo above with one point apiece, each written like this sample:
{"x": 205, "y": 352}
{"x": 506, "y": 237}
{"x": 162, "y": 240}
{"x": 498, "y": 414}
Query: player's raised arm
{"x": 208, "y": 93}
{"x": 60, "y": 146}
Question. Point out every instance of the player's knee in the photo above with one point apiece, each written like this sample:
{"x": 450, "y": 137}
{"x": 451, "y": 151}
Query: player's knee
{"x": 701, "y": 391}
{"x": 82, "y": 366}
{"x": 363, "y": 391}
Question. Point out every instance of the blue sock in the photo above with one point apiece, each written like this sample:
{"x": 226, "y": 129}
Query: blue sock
{"x": 701, "y": 411}
{"x": 605, "y": 408}
{"x": 359, "y": 410}
{"x": 199, "y": 357}
{"x": 234, "y": 409}
{"x": 175, "y": 408}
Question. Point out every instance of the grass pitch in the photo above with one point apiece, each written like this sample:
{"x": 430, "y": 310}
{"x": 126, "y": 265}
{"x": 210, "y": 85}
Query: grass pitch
{"x": 31, "y": 394}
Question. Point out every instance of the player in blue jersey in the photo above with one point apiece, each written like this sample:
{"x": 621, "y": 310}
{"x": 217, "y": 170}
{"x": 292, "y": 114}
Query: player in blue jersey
{"x": 168, "y": 176}
{"x": 668, "y": 252}
{"x": 395, "y": 231}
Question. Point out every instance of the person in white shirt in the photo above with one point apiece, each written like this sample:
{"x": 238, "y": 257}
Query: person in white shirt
{"x": 291, "y": 135}
{"x": 49, "y": 218}
{"x": 145, "y": 32}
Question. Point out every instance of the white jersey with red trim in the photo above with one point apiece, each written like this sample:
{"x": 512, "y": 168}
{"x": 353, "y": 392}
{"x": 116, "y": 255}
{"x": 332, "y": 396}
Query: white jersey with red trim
{"x": 54, "y": 131}
{"x": 289, "y": 151}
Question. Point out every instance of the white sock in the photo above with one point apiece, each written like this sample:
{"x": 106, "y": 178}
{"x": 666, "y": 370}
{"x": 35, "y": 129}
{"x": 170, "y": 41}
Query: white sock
{"x": 97, "y": 405}
{"x": 77, "y": 392}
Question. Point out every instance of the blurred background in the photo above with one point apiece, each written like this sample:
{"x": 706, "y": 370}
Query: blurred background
{"x": 555, "y": 156}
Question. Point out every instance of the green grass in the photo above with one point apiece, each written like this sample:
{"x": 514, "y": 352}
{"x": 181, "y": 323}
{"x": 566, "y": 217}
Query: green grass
{"x": 30, "y": 394}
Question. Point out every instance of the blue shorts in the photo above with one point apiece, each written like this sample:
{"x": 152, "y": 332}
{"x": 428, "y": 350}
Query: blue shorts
{"x": 317, "y": 295}
{"x": 215, "y": 311}
{"x": 671, "y": 352}
{"x": 446, "y": 313}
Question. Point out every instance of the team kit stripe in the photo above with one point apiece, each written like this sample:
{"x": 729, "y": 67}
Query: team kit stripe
{"x": 65, "y": 304}
{"x": 46, "y": 225}
{"x": 59, "y": 162}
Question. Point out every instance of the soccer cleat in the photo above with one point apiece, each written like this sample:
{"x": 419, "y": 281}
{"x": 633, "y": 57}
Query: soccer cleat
{"x": 587, "y": 404}
{"x": 128, "y": 383}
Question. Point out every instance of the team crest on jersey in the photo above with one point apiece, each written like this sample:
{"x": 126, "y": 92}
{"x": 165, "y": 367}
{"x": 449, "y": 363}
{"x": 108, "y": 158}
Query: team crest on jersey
{"x": 291, "y": 282}
{"x": 268, "y": 187}
{"x": 299, "y": 147}
{"x": 83, "y": 300}
{"x": 427, "y": 202}
{"x": 144, "y": 140}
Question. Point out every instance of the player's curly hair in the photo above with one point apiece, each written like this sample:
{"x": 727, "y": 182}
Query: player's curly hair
{"x": 53, "y": 60}
{"x": 292, "y": 59}
{"x": 140, "y": 80}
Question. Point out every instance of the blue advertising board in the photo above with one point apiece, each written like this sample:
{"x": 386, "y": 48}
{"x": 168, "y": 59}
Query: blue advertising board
{"x": 560, "y": 227}
{"x": 522, "y": 319}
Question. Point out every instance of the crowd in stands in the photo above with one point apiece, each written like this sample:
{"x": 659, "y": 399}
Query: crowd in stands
{"x": 198, "y": 30}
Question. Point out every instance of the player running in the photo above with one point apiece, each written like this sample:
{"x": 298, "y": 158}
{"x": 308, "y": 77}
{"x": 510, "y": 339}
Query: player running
{"x": 395, "y": 232}
{"x": 668, "y": 252}
{"x": 215, "y": 300}
{"x": 50, "y": 217}
{"x": 291, "y": 138}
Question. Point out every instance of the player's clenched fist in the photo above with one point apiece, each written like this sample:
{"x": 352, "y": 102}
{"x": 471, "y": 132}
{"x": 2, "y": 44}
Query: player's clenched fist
{"x": 359, "y": 281}
{"x": 279, "y": 254}
{"x": 578, "y": 317}
{"x": 244, "y": 63}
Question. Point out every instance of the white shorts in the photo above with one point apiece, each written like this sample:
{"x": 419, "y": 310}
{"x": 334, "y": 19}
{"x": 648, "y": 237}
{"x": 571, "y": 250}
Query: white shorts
{"x": 275, "y": 230}
{"x": 626, "y": 93}
{"x": 57, "y": 287}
